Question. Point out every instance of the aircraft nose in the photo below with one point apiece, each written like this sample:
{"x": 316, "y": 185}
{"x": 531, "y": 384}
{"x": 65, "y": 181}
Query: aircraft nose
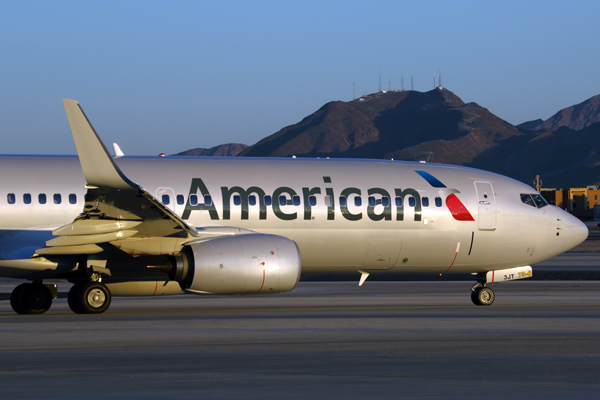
{"x": 575, "y": 231}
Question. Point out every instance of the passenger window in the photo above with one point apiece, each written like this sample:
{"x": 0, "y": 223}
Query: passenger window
{"x": 207, "y": 200}
{"x": 180, "y": 199}
{"x": 525, "y": 198}
{"x": 438, "y": 201}
{"x": 425, "y": 201}
{"x": 296, "y": 200}
{"x": 385, "y": 201}
{"x": 411, "y": 201}
{"x": 312, "y": 200}
{"x": 252, "y": 200}
{"x": 357, "y": 201}
{"x": 166, "y": 199}
{"x": 11, "y": 198}
{"x": 328, "y": 201}
{"x": 42, "y": 198}
{"x": 282, "y": 200}
{"x": 237, "y": 200}
{"x": 72, "y": 198}
{"x": 539, "y": 200}
{"x": 342, "y": 201}
{"x": 371, "y": 200}
{"x": 27, "y": 198}
{"x": 57, "y": 198}
{"x": 267, "y": 200}
{"x": 398, "y": 201}
{"x": 193, "y": 199}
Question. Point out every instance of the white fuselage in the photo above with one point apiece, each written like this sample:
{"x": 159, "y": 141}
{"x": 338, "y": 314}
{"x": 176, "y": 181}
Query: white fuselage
{"x": 415, "y": 234}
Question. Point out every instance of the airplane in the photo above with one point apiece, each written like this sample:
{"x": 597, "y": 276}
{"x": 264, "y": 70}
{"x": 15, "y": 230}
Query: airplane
{"x": 146, "y": 226}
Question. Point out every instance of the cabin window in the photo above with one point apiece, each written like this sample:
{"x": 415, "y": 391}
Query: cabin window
{"x": 208, "y": 200}
{"x": 371, "y": 200}
{"x": 166, "y": 199}
{"x": 11, "y": 198}
{"x": 180, "y": 199}
{"x": 411, "y": 201}
{"x": 385, "y": 201}
{"x": 296, "y": 200}
{"x": 72, "y": 198}
{"x": 252, "y": 200}
{"x": 312, "y": 200}
{"x": 282, "y": 200}
{"x": 27, "y": 198}
{"x": 42, "y": 198}
{"x": 237, "y": 200}
{"x": 193, "y": 199}
{"x": 57, "y": 198}
{"x": 357, "y": 201}
{"x": 267, "y": 200}
{"x": 328, "y": 201}
{"x": 342, "y": 201}
{"x": 438, "y": 201}
{"x": 425, "y": 201}
{"x": 398, "y": 201}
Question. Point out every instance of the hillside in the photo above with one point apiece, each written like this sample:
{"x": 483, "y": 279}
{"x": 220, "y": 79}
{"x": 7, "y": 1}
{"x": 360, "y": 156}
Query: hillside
{"x": 224, "y": 150}
{"x": 435, "y": 126}
{"x": 575, "y": 117}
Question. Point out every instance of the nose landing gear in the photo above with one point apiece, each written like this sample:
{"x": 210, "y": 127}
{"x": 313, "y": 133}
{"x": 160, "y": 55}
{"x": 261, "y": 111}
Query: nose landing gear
{"x": 482, "y": 295}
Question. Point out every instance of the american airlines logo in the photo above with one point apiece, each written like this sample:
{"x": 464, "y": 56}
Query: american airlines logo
{"x": 379, "y": 202}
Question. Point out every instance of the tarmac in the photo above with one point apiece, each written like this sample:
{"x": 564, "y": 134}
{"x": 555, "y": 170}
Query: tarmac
{"x": 334, "y": 340}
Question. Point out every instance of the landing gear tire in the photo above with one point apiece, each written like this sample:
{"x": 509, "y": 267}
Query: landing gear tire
{"x": 93, "y": 298}
{"x": 73, "y": 300}
{"x": 31, "y": 298}
{"x": 482, "y": 296}
{"x": 15, "y": 296}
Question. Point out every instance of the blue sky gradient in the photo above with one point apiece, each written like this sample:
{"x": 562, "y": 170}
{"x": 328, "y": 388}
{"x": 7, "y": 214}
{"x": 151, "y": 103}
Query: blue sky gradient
{"x": 158, "y": 76}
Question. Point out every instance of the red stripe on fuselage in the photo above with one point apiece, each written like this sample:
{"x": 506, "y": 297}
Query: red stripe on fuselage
{"x": 458, "y": 209}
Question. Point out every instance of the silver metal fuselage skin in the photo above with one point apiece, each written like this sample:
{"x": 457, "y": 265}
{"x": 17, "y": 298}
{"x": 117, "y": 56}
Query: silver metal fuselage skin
{"x": 504, "y": 232}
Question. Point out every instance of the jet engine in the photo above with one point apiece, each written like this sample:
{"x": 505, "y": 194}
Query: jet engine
{"x": 241, "y": 264}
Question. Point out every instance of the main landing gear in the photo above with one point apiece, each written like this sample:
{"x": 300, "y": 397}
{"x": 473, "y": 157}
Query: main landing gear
{"x": 31, "y": 298}
{"x": 89, "y": 298}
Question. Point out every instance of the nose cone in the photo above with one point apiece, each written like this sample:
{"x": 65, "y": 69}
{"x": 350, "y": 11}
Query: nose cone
{"x": 575, "y": 231}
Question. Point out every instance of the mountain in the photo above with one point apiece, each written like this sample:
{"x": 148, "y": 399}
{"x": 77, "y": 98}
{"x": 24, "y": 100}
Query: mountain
{"x": 575, "y": 117}
{"x": 434, "y": 126}
{"x": 437, "y": 126}
{"x": 224, "y": 150}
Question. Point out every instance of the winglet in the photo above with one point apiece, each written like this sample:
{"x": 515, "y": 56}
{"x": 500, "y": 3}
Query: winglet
{"x": 118, "y": 152}
{"x": 99, "y": 168}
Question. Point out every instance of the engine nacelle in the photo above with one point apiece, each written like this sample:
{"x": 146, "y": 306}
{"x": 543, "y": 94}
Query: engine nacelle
{"x": 242, "y": 264}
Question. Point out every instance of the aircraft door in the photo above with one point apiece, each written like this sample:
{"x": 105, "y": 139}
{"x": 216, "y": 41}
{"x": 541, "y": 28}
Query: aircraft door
{"x": 486, "y": 205}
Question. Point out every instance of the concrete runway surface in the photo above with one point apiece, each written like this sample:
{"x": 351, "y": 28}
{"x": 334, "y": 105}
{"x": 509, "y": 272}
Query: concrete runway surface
{"x": 539, "y": 340}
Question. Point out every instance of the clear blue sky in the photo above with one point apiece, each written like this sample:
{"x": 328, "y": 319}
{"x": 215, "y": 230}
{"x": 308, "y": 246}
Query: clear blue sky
{"x": 166, "y": 76}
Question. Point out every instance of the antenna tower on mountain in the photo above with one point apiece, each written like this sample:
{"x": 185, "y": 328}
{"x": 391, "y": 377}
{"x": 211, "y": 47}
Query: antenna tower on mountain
{"x": 389, "y": 84}
{"x": 402, "y": 82}
{"x": 440, "y": 79}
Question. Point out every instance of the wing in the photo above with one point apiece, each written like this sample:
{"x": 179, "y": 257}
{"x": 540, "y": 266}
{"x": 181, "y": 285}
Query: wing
{"x": 116, "y": 210}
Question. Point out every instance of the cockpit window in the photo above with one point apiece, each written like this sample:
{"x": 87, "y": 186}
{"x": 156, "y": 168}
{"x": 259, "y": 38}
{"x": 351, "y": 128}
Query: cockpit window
{"x": 526, "y": 198}
{"x": 539, "y": 200}
{"x": 533, "y": 200}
